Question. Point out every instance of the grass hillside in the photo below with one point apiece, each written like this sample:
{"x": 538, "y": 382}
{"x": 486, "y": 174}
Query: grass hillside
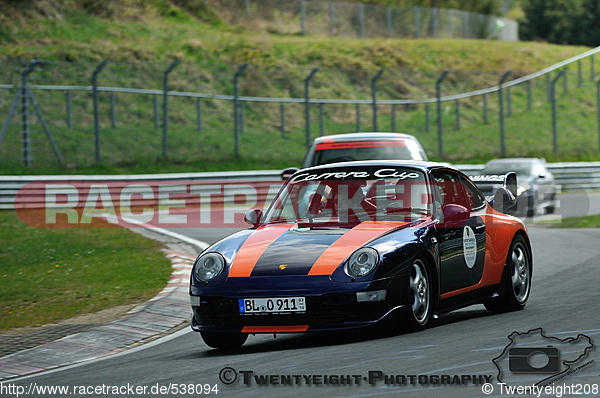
{"x": 140, "y": 39}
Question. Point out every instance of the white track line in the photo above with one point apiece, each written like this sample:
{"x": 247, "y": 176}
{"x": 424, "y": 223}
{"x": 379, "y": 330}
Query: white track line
{"x": 199, "y": 244}
{"x": 151, "y": 344}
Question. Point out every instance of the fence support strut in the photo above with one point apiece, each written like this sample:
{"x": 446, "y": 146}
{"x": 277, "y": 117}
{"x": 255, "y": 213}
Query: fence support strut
{"x": 307, "y": 104}
{"x": 95, "y": 100}
{"x": 501, "y": 112}
{"x": 236, "y": 109}
{"x": 553, "y": 100}
{"x": 438, "y": 96}
{"x": 598, "y": 109}
{"x": 374, "y": 96}
{"x": 165, "y": 126}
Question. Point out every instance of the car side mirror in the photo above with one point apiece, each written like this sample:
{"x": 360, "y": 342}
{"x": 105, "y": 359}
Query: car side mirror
{"x": 455, "y": 215}
{"x": 503, "y": 199}
{"x": 287, "y": 173}
{"x": 253, "y": 217}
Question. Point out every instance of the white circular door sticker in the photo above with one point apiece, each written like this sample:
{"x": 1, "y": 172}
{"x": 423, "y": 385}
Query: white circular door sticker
{"x": 469, "y": 246}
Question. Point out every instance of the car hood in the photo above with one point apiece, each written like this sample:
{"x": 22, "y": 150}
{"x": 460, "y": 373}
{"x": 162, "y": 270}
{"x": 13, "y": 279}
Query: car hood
{"x": 287, "y": 249}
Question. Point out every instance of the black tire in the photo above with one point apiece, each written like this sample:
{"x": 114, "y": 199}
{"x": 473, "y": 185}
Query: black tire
{"x": 225, "y": 340}
{"x": 530, "y": 207}
{"x": 419, "y": 296}
{"x": 550, "y": 209}
{"x": 516, "y": 279}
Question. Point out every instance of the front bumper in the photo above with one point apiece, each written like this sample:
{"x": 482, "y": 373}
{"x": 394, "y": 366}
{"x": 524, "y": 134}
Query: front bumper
{"x": 333, "y": 307}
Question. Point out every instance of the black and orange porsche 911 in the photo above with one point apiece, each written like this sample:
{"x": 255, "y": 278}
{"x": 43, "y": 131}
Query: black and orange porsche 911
{"x": 348, "y": 245}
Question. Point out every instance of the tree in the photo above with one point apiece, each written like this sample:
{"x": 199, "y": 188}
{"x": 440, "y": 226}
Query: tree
{"x": 589, "y": 32}
{"x": 555, "y": 21}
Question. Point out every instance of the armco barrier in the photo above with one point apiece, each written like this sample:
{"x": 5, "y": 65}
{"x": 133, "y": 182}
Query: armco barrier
{"x": 572, "y": 177}
{"x": 30, "y": 191}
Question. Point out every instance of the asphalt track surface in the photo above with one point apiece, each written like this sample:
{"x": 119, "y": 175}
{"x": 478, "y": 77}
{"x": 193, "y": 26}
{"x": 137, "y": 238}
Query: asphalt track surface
{"x": 564, "y": 302}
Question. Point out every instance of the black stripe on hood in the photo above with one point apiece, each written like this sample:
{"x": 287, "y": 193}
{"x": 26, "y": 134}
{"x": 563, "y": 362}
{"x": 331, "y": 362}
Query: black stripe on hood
{"x": 297, "y": 249}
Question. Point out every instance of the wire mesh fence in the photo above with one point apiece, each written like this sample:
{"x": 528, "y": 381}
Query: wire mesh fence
{"x": 362, "y": 20}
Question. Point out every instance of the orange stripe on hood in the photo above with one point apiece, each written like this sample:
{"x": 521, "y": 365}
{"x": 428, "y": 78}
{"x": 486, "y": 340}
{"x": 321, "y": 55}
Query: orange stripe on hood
{"x": 350, "y": 241}
{"x": 254, "y": 247}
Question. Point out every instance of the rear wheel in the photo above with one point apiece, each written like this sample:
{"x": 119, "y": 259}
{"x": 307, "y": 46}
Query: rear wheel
{"x": 530, "y": 207}
{"x": 419, "y": 296}
{"x": 550, "y": 209}
{"x": 224, "y": 341}
{"x": 516, "y": 281}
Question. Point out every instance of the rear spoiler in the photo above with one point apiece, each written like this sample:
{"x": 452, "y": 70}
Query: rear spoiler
{"x": 508, "y": 181}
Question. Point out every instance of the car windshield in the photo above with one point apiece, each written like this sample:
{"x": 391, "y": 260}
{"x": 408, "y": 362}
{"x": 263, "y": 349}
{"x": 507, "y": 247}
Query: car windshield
{"x": 521, "y": 168}
{"x": 345, "y": 196}
{"x": 326, "y": 153}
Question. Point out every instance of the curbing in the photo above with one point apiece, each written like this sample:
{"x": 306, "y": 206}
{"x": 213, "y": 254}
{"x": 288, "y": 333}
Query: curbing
{"x": 167, "y": 310}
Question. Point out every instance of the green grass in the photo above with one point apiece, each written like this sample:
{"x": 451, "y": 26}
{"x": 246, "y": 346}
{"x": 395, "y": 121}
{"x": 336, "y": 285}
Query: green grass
{"x": 579, "y": 222}
{"x": 142, "y": 39}
{"x": 47, "y": 275}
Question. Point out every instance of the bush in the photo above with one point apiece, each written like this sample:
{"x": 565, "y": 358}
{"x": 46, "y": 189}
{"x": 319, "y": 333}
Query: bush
{"x": 561, "y": 21}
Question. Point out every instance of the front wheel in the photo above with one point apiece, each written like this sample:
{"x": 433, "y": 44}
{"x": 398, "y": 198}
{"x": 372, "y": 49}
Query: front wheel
{"x": 516, "y": 281}
{"x": 419, "y": 300}
{"x": 225, "y": 340}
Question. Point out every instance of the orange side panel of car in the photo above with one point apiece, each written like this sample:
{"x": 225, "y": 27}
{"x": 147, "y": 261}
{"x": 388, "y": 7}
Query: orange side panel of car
{"x": 254, "y": 247}
{"x": 499, "y": 233}
{"x": 350, "y": 241}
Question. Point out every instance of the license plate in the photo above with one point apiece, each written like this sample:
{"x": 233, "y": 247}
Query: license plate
{"x": 272, "y": 305}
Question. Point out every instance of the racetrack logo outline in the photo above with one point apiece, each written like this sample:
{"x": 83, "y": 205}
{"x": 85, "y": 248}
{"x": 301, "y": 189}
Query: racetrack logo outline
{"x": 568, "y": 363}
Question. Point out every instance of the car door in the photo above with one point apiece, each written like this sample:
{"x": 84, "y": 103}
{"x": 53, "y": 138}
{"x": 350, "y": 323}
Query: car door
{"x": 461, "y": 242}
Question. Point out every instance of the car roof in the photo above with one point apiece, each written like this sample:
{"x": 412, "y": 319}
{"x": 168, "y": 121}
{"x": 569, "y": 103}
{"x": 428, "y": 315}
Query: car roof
{"x": 418, "y": 164}
{"x": 363, "y": 136}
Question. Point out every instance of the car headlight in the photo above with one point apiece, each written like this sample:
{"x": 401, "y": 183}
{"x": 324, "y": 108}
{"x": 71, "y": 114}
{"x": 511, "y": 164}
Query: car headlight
{"x": 209, "y": 266}
{"x": 362, "y": 262}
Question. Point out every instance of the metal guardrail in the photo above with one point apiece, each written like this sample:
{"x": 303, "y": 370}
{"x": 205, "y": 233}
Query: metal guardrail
{"x": 30, "y": 192}
{"x": 569, "y": 176}
{"x": 572, "y": 177}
